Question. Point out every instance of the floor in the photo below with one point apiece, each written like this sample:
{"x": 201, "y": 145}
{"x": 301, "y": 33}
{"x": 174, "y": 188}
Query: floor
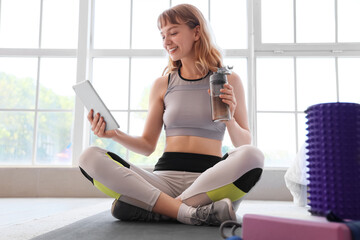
{"x": 25, "y": 218}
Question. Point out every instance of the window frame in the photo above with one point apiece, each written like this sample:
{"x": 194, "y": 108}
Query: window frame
{"x": 37, "y": 53}
{"x": 27, "y": 176}
{"x": 301, "y": 49}
{"x": 294, "y": 50}
{"x": 85, "y": 53}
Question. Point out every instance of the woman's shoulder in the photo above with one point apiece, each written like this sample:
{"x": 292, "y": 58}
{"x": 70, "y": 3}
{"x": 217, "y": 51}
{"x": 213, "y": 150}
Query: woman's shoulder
{"x": 234, "y": 78}
{"x": 162, "y": 81}
{"x": 160, "y": 85}
{"x": 235, "y": 81}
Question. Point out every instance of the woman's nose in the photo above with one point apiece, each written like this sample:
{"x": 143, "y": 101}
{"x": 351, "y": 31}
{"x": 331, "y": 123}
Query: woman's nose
{"x": 166, "y": 41}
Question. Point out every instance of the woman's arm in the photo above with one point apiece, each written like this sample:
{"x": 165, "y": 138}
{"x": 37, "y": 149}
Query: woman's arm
{"x": 146, "y": 143}
{"x": 238, "y": 126}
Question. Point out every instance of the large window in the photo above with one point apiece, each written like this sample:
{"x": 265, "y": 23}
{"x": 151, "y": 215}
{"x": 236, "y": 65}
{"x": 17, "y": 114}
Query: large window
{"x": 290, "y": 54}
{"x": 37, "y": 69}
{"x": 306, "y": 52}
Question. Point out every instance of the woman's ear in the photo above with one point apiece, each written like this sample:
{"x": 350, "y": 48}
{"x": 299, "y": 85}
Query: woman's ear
{"x": 197, "y": 32}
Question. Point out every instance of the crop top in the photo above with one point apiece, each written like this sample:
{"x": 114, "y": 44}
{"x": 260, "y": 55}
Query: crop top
{"x": 188, "y": 110}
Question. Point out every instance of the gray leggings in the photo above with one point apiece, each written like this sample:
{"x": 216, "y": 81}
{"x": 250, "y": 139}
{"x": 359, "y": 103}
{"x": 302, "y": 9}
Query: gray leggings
{"x": 231, "y": 178}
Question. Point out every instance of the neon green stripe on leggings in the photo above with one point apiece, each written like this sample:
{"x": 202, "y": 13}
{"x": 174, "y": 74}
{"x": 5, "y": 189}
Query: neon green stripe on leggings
{"x": 228, "y": 191}
{"x": 106, "y": 190}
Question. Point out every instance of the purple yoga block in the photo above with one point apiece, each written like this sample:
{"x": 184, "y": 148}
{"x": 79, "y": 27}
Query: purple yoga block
{"x": 258, "y": 227}
{"x": 334, "y": 159}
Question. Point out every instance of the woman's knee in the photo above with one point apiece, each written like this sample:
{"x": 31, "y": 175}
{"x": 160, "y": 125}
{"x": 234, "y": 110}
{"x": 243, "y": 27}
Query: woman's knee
{"x": 249, "y": 167}
{"x": 88, "y": 157}
{"x": 252, "y": 155}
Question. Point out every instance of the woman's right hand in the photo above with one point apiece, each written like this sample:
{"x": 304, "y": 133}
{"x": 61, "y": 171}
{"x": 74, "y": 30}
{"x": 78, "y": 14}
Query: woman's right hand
{"x": 98, "y": 125}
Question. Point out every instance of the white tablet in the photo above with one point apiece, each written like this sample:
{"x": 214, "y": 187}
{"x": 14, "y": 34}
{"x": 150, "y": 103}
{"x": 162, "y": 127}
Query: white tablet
{"x": 91, "y": 99}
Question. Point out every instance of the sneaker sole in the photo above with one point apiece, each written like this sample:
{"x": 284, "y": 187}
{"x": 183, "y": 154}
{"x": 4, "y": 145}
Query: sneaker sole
{"x": 230, "y": 208}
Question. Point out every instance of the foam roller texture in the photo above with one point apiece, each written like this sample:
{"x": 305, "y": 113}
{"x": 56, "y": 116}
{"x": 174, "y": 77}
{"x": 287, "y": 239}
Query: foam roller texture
{"x": 334, "y": 159}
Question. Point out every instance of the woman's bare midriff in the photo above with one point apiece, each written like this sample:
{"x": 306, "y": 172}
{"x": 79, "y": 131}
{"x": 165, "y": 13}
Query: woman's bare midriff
{"x": 192, "y": 144}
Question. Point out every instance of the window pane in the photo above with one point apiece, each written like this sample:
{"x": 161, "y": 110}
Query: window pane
{"x": 275, "y": 84}
{"x": 57, "y": 76}
{"x": 60, "y": 24}
{"x": 277, "y": 21}
{"x": 111, "y": 81}
{"x": 349, "y": 79}
{"x": 348, "y": 20}
{"x": 141, "y": 83}
{"x": 16, "y": 138}
{"x": 112, "y": 24}
{"x": 229, "y": 22}
{"x": 276, "y": 138}
{"x": 109, "y": 144}
{"x": 315, "y": 21}
{"x": 202, "y": 5}
{"x": 18, "y": 82}
{"x": 19, "y": 23}
{"x": 137, "y": 122}
{"x": 240, "y": 68}
{"x": 145, "y": 31}
{"x": 316, "y": 81}
{"x": 54, "y": 138}
{"x": 302, "y": 129}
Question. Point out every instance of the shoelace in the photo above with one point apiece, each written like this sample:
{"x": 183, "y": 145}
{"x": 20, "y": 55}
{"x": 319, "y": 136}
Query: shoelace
{"x": 234, "y": 226}
{"x": 205, "y": 213}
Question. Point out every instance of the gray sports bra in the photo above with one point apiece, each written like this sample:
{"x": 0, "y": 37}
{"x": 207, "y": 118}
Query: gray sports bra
{"x": 187, "y": 108}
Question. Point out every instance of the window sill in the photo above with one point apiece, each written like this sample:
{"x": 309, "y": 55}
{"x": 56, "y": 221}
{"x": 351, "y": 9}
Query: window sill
{"x": 69, "y": 182}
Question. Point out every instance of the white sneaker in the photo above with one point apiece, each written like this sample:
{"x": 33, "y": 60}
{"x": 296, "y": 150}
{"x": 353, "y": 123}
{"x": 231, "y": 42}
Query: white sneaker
{"x": 214, "y": 213}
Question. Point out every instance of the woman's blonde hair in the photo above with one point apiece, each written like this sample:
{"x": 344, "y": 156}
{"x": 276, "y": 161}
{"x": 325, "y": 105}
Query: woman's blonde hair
{"x": 208, "y": 57}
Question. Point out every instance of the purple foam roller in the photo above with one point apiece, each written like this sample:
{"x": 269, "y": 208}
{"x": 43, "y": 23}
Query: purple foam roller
{"x": 334, "y": 159}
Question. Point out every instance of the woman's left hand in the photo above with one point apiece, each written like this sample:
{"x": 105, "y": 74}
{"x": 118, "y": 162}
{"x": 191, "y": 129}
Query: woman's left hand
{"x": 228, "y": 97}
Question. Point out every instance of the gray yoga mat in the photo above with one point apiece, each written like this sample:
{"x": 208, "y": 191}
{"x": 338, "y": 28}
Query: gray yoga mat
{"x": 105, "y": 226}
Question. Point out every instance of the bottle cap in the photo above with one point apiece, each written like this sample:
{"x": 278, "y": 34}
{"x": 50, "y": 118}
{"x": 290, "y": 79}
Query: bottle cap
{"x": 225, "y": 70}
{"x": 220, "y": 76}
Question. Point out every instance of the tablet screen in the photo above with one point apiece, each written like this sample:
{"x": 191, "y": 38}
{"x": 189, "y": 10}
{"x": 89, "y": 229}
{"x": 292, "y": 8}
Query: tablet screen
{"x": 91, "y": 100}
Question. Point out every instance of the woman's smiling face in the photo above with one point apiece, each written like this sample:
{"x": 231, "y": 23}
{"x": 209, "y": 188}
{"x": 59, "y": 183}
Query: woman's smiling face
{"x": 178, "y": 40}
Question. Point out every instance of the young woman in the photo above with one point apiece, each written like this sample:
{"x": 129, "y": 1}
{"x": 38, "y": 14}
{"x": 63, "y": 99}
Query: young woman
{"x": 191, "y": 182}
